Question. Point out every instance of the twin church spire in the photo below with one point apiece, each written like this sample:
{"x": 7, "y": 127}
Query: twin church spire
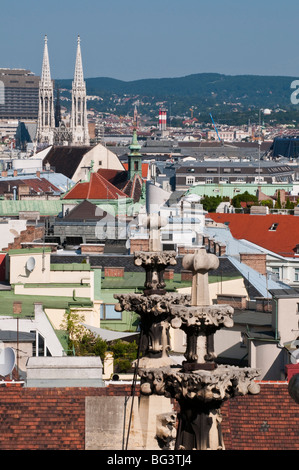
{"x": 77, "y": 134}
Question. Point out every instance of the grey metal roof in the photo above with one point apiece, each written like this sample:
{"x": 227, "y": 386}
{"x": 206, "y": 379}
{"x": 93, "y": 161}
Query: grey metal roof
{"x": 14, "y": 336}
{"x": 109, "y": 335}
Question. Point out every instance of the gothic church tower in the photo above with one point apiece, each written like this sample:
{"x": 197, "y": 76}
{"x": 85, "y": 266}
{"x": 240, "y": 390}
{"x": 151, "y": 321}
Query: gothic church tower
{"x": 46, "y": 120}
{"x": 79, "y": 125}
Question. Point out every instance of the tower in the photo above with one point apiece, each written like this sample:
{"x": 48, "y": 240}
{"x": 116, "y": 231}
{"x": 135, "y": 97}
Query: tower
{"x": 79, "y": 125}
{"x": 134, "y": 158}
{"x": 162, "y": 119}
{"x": 46, "y": 120}
{"x": 135, "y": 118}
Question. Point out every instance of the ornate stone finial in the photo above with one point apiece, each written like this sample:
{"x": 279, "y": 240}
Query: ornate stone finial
{"x": 154, "y": 223}
{"x": 200, "y": 263}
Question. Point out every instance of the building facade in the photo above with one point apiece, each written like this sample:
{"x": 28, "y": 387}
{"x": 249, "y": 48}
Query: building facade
{"x": 19, "y": 90}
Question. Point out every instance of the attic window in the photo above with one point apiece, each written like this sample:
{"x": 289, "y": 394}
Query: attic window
{"x": 273, "y": 227}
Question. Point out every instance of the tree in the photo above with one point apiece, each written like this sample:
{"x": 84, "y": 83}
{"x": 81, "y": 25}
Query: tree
{"x": 80, "y": 340}
{"x": 124, "y": 354}
{"x": 210, "y": 203}
{"x": 278, "y": 201}
{"x": 244, "y": 197}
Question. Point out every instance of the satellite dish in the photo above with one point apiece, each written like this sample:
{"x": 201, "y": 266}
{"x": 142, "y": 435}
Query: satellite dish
{"x": 295, "y": 356}
{"x": 30, "y": 265}
{"x": 7, "y": 361}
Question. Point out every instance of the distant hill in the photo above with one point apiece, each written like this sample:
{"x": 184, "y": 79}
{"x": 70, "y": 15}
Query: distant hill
{"x": 204, "y": 92}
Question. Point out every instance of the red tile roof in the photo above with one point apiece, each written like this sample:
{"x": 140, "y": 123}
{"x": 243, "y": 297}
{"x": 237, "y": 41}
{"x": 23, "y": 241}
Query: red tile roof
{"x": 256, "y": 229}
{"x": 97, "y": 188}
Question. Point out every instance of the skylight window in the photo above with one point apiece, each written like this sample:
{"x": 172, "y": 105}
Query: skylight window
{"x": 273, "y": 227}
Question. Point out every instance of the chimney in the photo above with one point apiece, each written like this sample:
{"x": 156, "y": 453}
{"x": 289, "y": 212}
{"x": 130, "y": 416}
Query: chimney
{"x": 256, "y": 261}
{"x": 38, "y": 173}
{"x": 15, "y": 172}
{"x": 17, "y": 308}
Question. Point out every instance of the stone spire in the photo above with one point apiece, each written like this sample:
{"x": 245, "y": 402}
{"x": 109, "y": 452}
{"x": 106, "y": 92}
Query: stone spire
{"x": 46, "y": 120}
{"x": 46, "y": 75}
{"x": 79, "y": 124}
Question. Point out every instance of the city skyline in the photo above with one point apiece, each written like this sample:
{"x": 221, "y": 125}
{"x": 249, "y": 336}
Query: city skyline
{"x": 134, "y": 40}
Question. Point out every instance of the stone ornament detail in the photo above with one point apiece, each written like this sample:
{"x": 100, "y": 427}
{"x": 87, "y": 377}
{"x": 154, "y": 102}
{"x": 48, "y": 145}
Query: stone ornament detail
{"x": 200, "y": 263}
{"x": 200, "y": 386}
{"x": 150, "y": 304}
{"x": 153, "y": 224}
{"x": 213, "y": 317}
{"x": 154, "y": 311}
{"x": 200, "y": 395}
{"x": 208, "y": 386}
{"x": 166, "y": 430}
{"x": 154, "y": 264}
{"x": 200, "y": 325}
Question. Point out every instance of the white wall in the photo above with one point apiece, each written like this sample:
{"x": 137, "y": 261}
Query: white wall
{"x": 9, "y": 230}
{"x": 97, "y": 154}
{"x": 19, "y": 273}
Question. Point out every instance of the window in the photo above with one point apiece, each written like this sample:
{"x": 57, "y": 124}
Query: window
{"x": 209, "y": 180}
{"x": 212, "y": 170}
{"x": 190, "y": 180}
{"x": 273, "y": 227}
{"x": 296, "y": 277}
{"x": 108, "y": 312}
{"x": 276, "y": 271}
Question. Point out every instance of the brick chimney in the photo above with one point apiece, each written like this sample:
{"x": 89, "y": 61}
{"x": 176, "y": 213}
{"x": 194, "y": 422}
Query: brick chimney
{"x": 17, "y": 308}
{"x": 255, "y": 261}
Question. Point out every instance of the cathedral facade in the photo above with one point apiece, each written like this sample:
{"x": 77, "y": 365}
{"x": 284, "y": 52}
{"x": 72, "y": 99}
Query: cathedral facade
{"x": 49, "y": 132}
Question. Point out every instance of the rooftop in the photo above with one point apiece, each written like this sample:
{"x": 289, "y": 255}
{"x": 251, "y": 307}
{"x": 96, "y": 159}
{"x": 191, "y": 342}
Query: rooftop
{"x": 274, "y": 232}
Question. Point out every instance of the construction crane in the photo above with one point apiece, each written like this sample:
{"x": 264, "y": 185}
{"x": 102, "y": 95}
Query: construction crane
{"x": 216, "y": 129}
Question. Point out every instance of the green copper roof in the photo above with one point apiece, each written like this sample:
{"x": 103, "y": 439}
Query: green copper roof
{"x": 135, "y": 147}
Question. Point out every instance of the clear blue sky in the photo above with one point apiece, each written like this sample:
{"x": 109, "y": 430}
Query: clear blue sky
{"x": 133, "y": 39}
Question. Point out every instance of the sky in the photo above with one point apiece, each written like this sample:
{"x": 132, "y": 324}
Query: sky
{"x": 136, "y": 39}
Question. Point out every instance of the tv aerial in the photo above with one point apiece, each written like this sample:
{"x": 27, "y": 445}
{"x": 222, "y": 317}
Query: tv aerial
{"x": 7, "y": 361}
